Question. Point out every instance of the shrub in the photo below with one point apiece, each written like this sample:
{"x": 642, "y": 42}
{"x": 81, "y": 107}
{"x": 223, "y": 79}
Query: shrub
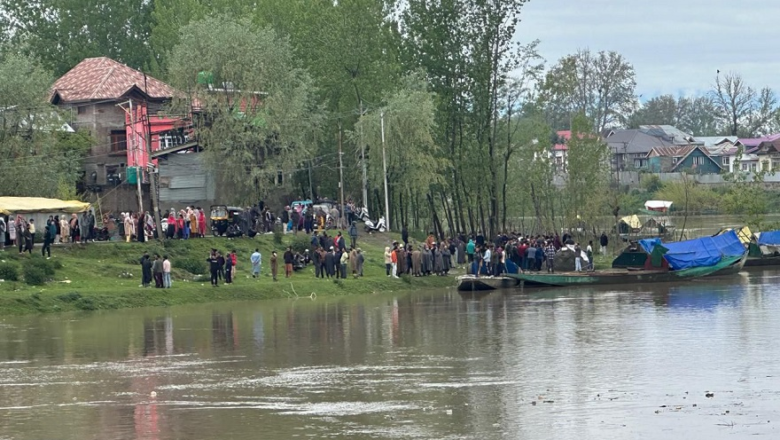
{"x": 191, "y": 265}
{"x": 9, "y": 272}
{"x": 34, "y": 275}
{"x": 278, "y": 234}
{"x": 46, "y": 266}
{"x": 300, "y": 243}
{"x": 69, "y": 297}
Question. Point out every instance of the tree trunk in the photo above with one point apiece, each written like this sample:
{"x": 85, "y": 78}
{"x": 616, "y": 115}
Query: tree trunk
{"x": 435, "y": 218}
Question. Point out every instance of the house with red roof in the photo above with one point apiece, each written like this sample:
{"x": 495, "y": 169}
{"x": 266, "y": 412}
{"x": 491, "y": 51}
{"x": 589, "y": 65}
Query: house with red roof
{"x": 560, "y": 150}
{"x": 122, "y": 108}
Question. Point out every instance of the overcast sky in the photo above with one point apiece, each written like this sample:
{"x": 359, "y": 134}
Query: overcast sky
{"x": 676, "y": 46}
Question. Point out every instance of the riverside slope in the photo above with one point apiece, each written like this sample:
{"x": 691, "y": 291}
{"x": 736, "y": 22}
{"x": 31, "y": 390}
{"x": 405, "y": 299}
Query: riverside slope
{"x": 90, "y": 276}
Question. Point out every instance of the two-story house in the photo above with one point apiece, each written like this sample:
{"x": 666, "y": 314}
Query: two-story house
{"x": 121, "y": 108}
{"x": 690, "y": 158}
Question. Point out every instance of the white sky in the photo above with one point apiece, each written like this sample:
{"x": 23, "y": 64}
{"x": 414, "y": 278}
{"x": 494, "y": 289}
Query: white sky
{"x": 676, "y": 46}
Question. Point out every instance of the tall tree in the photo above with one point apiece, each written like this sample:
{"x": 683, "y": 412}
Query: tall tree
{"x": 588, "y": 172}
{"x": 38, "y": 158}
{"x": 601, "y": 86}
{"x": 694, "y": 115}
{"x": 741, "y": 109}
{"x": 468, "y": 49}
{"x": 61, "y": 33}
{"x": 259, "y": 116}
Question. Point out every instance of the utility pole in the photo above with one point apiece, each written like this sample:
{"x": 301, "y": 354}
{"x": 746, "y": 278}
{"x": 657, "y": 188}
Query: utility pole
{"x": 311, "y": 187}
{"x": 154, "y": 175}
{"x": 384, "y": 168}
{"x": 341, "y": 179}
{"x": 363, "y": 160}
{"x": 136, "y": 151}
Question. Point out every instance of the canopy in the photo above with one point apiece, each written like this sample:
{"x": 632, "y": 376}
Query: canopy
{"x": 658, "y": 205}
{"x": 32, "y": 205}
{"x": 699, "y": 252}
{"x": 769, "y": 238}
{"x": 632, "y": 221}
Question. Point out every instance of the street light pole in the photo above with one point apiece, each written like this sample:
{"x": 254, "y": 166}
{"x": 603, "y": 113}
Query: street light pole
{"x": 384, "y": 168}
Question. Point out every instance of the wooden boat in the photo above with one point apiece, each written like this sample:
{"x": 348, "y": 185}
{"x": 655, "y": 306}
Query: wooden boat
{"x": 470, "y": 283}
{"x": 763, "y": 261}
{"x": 727, "y": 265}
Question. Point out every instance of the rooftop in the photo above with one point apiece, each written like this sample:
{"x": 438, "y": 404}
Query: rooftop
{"x": 97, "y": 79}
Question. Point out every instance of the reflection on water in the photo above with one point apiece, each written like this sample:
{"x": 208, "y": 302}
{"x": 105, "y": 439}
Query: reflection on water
{"x": 586, "y": 363}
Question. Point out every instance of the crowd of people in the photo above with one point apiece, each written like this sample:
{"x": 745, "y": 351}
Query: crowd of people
{"x": 22, "y": 232}
{"x": 528, "y": 253}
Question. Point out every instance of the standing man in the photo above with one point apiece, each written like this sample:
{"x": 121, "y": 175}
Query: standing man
{"x": 344, "y": 260}
{"x": 330, "y": 263}
{"x": 577, "y": 258}
{"x": 589, "y": 253}
{"x": 146, "y": 270}
{"x": 256, "y": 259}
{"x": 29, "y": 239}
{"x": 288, "y": 262}
{"x": 213, "y": 267}
{"x": 316, "y": 259}
{"x": 549, "y": 253}
{"x": 274, "y": 265}
{"x": 48, "y": 237}
{"x": 360, "y": 260}
{"x": 228, "y": 269}
{"x": 166, "y": 265}
{"x": 234, "y": 260}
{"x": 604, "y": 241}
{"x": 353, "y": 234}
{"x": 157, "y": 272}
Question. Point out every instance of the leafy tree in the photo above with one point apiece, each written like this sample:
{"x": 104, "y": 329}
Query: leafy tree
{"x": 38, "y": 158}
{"x": 414, "y": 163}
{"x": 258, "y": 118}
{"x": 588, "y": 172}
{"x": 600, "y": 85}
{"x": 694, "y": 115}
{"x": 62, "y": 33}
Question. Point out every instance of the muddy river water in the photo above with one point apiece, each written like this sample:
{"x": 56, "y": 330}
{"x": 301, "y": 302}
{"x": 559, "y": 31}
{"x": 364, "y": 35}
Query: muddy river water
{"x": 692, "y": 361}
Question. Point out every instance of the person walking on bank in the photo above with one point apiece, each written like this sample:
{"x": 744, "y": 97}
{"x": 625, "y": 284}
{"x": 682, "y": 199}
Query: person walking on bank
{"x": 228, "y": 269}
{"x": 256, "y": 259}
{"x": 166, "y": 266}
{"x": 288, "y": 262}
{"x": 274, "y": 265}
{"x": 157, "y": 272}
{"x": 353, "y": 235}
{"x": 213, "y": 261}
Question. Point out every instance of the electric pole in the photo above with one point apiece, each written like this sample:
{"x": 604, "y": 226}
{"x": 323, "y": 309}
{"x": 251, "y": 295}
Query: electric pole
{"x": 363, "y": 160}
{"x": 341, "y": 179}
{"x": 154, "y": 171}
{"x": 384, "y": 168}
{"x": 136, "y": 150}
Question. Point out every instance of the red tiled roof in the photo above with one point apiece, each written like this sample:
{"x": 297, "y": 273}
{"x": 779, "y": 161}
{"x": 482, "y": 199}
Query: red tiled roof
{"x": 566, "y": 136}
{"x": 104, "y": 79}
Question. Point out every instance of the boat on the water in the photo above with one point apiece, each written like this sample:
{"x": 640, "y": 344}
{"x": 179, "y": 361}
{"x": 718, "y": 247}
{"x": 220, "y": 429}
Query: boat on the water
{"x": 763, "y": 249}
{"x": 485, "y": 281}
{"x": 471, "y": 283}
{"x": 727, "y": 265}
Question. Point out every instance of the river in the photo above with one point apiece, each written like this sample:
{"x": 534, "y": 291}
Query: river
{"x": 613, "y": 363}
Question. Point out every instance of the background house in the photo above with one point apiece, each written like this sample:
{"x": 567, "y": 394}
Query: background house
{"x": 121, "y": 108}
{"x": 691, "y": 158}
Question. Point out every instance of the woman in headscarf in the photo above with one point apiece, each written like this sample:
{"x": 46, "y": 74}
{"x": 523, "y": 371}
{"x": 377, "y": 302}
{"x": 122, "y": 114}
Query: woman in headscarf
{"x": 128, "y": 222}
{"x": 201, "y": 222}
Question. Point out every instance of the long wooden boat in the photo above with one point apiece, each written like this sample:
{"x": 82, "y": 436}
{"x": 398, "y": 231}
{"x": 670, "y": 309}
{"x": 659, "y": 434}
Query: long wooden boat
{"x": 727, "y": 265}
{"x": 762, "y": 261}
{"x": 470, "y": 283}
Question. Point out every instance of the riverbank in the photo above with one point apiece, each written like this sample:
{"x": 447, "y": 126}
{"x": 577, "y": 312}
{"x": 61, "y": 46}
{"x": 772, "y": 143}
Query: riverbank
{"x": 106, "y": 276}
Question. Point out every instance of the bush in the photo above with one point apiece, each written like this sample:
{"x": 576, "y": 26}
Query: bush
{"x": 300, "y": 243}
{"x": 191, "y": 265}
{"x": 46, "y": 266}
{"x": 278, "y": 235}
{"x": 9, "y": 272}
{"x": 34, "y": 275}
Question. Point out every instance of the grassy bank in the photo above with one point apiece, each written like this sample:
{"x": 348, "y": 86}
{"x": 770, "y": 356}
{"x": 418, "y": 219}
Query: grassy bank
{"x": 103, "y": 276}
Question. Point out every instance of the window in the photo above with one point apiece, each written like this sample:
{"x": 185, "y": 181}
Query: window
{"x": 82, "y": 110}
{"x": 745, "y": 166}
{"x": 725, "y": 160}
{"x": 698, "y": 160}
{"x": 118, "y": 141}
{"x": 675, "y": 159}
{"x": 753, "y": 166}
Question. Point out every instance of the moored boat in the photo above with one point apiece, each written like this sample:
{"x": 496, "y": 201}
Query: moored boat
{"x": 470, "y": 283}
{"x": 726, "y": 265}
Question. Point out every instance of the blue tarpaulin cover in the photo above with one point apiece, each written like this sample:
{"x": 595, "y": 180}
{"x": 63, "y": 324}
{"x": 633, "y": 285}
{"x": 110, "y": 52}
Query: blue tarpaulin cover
{"x": 769, "y": 238}
{"x": 699, "y": 252}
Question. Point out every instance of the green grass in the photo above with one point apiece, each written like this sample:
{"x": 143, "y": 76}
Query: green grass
{"x": 89, "y": 277}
